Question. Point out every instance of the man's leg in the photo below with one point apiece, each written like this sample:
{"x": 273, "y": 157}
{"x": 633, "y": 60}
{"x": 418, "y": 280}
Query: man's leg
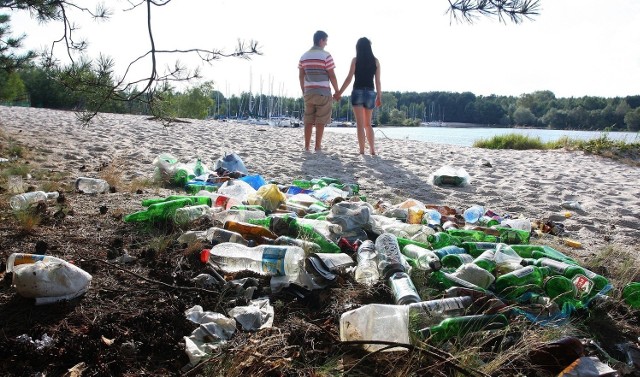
{"x": 308, "y": 128}
{"x": 319, "y": 132}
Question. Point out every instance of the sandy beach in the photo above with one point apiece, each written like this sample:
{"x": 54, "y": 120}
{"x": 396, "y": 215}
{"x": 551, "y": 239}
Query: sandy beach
{"x": 529, "y": 183}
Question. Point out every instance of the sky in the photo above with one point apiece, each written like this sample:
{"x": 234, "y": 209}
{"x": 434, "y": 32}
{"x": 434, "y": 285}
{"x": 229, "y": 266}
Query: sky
{"x": 573, "y": 48}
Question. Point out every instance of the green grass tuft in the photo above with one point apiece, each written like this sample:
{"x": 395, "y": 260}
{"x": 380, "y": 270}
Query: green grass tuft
{"x": 510, "y": 141}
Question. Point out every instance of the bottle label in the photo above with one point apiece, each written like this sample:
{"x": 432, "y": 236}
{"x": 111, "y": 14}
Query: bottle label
{"x": 403, "y": 290}
{"x": 583, "y": 285}
{"x": 273, "y": 261}
{"x": 522, "y": 272}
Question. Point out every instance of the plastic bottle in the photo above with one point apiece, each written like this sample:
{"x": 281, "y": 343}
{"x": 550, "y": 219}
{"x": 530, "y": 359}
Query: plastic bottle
{"x": 192, "y": 236}
{"x": 519, "y": 282}
{"x": 441, "y": 252}
{"x": 459, "y": 326}
{"x": 196, "y": 200}
{"x": 158, "y": 212}
{"x": 404, "y": 292}
{"x": 188, "y": 214}
{"x": 484, "y": 301}
{"x": 425, "y": 259}
{"x": 431, "y": 216}
{"x": 92, "y": 185}
{"x": 271, "y": 260}
{"x": 26, "y": 200}
{"x": 455, "y": 260}
{"x": 392, "y": 323}
{"x": 487, "y": 221}
{"x": 473, "y": 214}
{"x": 441, "y": 239}
{"x": 631, "y": 295}
{"x": 217, "y": 235}
{"x": 521, "y": 224}
{"x": 367, "y": 270}
{"x": 390, "y": 260}
{"x": 308, "y": 246}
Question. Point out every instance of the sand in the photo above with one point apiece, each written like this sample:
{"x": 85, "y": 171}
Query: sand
{"x": 529, "y": 183}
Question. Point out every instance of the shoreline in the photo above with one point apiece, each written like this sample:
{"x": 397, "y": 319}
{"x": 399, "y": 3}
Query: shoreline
{"x": 531, "y": 183}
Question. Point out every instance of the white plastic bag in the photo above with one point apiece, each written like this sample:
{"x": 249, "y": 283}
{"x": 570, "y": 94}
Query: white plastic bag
{"x": 448, "y": 175}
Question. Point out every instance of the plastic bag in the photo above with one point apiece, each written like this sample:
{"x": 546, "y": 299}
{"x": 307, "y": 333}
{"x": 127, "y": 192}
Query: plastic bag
{"x": 268, "y": 196}
{"x": 448, "y": 175}
{"x": 232, "y": 162}
{"x": 237, "y": 189}
{"x": 164, "y": 167}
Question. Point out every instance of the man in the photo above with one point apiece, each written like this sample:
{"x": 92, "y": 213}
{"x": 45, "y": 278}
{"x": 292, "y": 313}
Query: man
{"x": 316, "y": 78}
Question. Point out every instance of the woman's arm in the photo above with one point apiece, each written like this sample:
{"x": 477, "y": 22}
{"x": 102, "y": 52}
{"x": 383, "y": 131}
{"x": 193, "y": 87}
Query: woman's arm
{"x": 378, "y": 86}
{"x": 347, "y": 81}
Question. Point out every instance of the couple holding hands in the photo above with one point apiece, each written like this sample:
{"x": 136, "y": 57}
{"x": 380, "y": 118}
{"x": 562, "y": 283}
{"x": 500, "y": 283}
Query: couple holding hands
{"x": 317, "y": 76}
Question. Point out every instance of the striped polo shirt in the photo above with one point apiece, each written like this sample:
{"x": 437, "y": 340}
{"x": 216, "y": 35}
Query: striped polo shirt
{"x": 315, "y": 63}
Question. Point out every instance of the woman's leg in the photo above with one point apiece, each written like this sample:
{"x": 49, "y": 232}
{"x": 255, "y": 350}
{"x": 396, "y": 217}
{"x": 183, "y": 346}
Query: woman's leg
{"x": 359, "y": 112}
{"x": 369, "y": 130}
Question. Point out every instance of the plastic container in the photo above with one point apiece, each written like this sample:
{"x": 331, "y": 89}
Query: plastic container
{"x": 26, "y": 200}
{"x": 188, "y": 214}
{"x": 47, "y": 279}
{"x": 367, "y": 271}
{"x": 391, "y": 322}
{"x": 521, "y": 224}
{"x": 92, "y": 185}
{"x": 473, "y": 214}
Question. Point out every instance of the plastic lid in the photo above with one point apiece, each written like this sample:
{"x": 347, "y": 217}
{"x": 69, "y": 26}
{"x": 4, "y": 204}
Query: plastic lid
{"x": 204, "y": 255}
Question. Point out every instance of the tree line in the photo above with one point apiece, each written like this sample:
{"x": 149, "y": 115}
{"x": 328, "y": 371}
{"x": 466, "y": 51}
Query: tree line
{"x": 38, "y": 87}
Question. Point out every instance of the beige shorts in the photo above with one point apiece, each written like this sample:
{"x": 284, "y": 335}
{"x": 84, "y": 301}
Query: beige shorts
{"x": 317, "y": 109}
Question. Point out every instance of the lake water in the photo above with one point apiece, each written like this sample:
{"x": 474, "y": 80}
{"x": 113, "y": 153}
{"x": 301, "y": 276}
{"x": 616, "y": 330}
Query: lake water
{"x": 466, "y": 136}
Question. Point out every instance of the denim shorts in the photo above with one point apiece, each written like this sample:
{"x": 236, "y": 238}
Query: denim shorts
{"x": 364, "y": 97}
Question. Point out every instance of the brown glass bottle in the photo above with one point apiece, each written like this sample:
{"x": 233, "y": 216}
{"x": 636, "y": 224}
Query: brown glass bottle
{"x": 249, "y": 231}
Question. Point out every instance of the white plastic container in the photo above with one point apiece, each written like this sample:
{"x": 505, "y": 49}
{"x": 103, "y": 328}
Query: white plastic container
{"x": 391, "y": 322}
{"x": 47, "y": 279}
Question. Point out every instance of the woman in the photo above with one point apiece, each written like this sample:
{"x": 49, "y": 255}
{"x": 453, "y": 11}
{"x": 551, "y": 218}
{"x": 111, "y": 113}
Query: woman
{"x": 364, "y": 98}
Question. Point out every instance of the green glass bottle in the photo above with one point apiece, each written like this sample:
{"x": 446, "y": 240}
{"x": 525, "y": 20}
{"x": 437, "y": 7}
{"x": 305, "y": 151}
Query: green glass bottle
{"x": 561, "y": 290}
{"x": 302, "y": 183}
{"x": 402, "y": 242}
{"x": 486, "y": 260}
{"x": 459, "y": 326}
{"x": 162, "y": 211}
{"x": 249, "y": 207}
{"x": 542, "y": 251}
{"x": 288, "y": 226}
{"x": 470, "y": 235}
{"x": 523, "y": 280}
{"x": 477, "y": 248}
{"x": 513, "y": 236}
{"x": 318, "y": 215}
{"x": 195, "y": 200}
{"x": 442, "y": 280}
{"x": 329, "y": 180}
{"x": 587, "y": 282}
{"x": 631, "y": 295}
{"x": 455, "y": 260}
{"x": 441, "y": 239}
{"x": 194, "y": 188}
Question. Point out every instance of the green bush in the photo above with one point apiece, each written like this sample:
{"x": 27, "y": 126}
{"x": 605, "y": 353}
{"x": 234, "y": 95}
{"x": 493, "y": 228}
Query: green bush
{"x": 510, "y": 141}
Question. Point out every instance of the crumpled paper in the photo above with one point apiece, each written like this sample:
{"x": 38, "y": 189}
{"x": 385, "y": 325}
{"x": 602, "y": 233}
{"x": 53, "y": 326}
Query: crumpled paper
{"x": 257, "y": 315}
{"x": 214, "y": 330}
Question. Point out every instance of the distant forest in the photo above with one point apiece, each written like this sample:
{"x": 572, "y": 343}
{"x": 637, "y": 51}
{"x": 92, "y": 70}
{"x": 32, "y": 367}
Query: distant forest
{"x": 541, "y": 109}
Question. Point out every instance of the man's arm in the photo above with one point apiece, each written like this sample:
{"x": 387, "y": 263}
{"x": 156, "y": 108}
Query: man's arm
{"x": 301, "y": 78}
{"x": 334, "y": 81}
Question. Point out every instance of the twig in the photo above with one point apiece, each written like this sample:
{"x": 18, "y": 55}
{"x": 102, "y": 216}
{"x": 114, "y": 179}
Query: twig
{"x": 152, "y": 280}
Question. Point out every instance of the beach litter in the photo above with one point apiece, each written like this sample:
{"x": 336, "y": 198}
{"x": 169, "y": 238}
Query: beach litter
{"x": 452, "y": 271}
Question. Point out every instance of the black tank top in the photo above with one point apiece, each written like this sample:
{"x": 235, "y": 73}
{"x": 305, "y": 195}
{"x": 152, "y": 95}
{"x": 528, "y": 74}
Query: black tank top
{"x": 364, "y": 74}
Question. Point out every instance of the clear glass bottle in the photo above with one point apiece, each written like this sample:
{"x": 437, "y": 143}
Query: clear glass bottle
{"x": 26, "y": 200}
{"x": 92, "y": 185}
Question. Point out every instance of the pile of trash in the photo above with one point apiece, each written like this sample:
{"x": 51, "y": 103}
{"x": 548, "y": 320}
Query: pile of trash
{"x": 451, "y": 272}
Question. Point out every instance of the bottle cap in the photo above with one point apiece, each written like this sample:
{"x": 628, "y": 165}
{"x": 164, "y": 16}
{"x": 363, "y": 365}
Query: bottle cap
{"x": 204, "y": 255}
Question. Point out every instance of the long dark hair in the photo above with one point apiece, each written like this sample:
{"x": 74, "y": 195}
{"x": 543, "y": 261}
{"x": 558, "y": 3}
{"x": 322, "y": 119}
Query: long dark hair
{"x": 364, "y": 55}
